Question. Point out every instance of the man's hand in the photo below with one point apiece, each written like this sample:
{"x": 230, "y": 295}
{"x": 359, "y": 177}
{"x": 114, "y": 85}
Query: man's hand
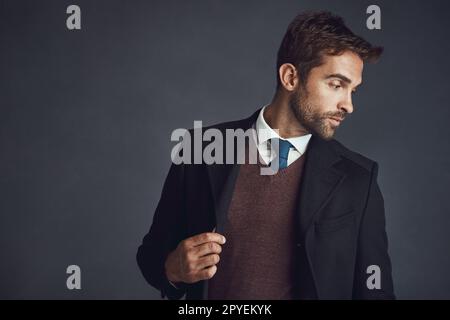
{"x": 195, "y": 258}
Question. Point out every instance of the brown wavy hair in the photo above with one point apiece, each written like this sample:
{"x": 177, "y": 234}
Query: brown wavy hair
{"x": 312, "y": 34}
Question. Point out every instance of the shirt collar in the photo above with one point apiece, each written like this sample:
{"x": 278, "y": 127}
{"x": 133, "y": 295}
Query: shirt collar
{"x": 300, "y": 143}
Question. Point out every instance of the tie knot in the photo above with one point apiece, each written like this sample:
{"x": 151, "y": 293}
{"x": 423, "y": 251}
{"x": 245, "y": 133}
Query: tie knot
{"x": 283, "y": 148}
{"x": 283, "y": 152}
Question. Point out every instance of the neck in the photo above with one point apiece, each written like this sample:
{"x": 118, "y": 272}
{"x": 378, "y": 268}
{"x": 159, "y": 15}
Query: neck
{"x": 279, "y": 115}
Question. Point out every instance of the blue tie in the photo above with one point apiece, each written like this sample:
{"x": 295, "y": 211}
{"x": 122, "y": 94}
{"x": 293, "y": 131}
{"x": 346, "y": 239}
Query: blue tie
{"x": 283, "y": 150}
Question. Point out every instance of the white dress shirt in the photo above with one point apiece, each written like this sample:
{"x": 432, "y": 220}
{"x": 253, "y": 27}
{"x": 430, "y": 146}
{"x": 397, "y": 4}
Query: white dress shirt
{"x": 300, "y": 143}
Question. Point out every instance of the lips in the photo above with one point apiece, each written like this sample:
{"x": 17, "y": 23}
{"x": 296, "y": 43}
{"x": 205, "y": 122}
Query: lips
{"x": 336, "y": 121}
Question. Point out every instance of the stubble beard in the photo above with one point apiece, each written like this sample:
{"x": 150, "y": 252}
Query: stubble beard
{"x": 309, "y": 119}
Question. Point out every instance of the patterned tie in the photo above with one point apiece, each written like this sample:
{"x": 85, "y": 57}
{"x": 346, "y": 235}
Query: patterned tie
{"x": 283, "y": 151}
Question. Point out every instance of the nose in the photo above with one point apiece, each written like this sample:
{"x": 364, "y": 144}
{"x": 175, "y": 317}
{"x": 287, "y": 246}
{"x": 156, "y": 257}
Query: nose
{"x": 346, "y": 104}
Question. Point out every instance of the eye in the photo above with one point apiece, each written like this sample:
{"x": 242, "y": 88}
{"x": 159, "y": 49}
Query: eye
{"x": 335, "y": 85}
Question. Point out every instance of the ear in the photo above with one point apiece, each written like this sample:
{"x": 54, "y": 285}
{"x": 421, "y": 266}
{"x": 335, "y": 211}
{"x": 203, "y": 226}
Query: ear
{"x": 288, "y": 76}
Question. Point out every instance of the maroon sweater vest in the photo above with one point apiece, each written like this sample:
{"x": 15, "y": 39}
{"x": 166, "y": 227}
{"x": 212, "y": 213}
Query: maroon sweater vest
{"x": 258, "y": 261}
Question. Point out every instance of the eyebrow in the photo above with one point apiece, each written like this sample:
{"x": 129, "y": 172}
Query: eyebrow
{"x": 343, "y": 78}
{"x": 340, "y": 76}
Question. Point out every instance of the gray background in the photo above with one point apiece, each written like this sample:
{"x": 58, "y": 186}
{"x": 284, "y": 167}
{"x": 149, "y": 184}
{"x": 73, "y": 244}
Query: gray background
{"x": 86, "y": 118}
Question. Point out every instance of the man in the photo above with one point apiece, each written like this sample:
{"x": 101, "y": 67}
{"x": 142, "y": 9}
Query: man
{"x": 313, "y": 230}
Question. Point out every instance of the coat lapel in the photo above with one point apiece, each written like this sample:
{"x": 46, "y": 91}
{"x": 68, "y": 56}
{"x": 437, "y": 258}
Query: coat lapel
{"x": 222, "y": 177}
{"x": 319, "y": 181}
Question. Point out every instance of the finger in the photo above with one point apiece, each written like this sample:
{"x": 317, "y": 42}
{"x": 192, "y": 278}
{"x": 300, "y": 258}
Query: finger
{"x": 207, "y": 273}
{"x": 208, "y": 261}
{"x": 205, "y": 237}
{"x": 207, "y": 248}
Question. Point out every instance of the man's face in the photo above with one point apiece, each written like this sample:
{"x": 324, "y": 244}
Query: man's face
{"x": 327, "y": 94}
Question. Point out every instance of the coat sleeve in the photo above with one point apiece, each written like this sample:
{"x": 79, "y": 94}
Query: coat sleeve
{"x": 167, "y": 230}
{"x": 372, "y": 249}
